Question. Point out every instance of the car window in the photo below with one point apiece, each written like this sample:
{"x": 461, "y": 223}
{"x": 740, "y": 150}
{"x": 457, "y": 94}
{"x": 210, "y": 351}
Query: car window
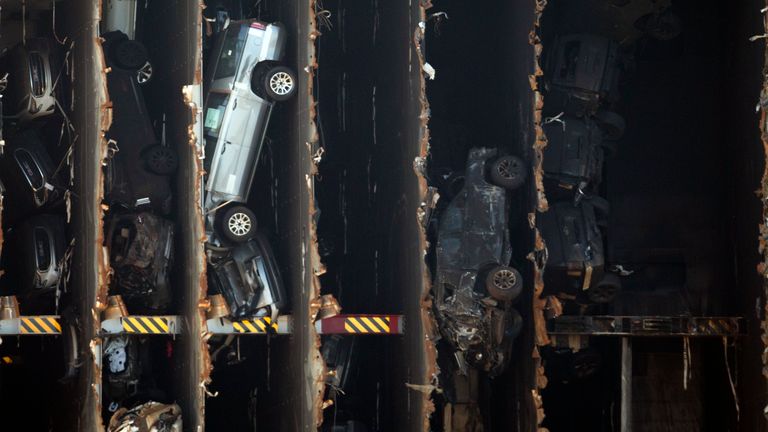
{"x": 231, "y": 51}
{"x": 214, "y": 113}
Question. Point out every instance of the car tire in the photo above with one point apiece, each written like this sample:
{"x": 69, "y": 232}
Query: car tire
{"x": 238, "y": 224}
{"x": 612, "y": 124}
{"x": 129, "y": 54}
{"x": 161, "y": 160}
{"x": 504, "y": 283}
{"x": 508, "y": 172}
{"x": 605, "y": 290}
{"x": 279, "y": 83}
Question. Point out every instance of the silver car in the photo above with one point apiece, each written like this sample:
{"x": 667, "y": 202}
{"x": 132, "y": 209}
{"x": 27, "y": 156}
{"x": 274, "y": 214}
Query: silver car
{"x": 245, "y": 78}
{"x": 33, "y": 74}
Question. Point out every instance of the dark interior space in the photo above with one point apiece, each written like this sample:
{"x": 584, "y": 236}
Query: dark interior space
{"x": 360, "y": 191}
{"x": 480, "y": 97}
{"x": 250, "y": 372}
{"x": 36, "y": 370}
{"x": 683, "y": 219}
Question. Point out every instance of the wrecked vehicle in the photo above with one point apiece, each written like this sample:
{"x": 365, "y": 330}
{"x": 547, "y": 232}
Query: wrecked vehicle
{"x": 575, "y": 251}
{"x": 573, "y": 157}
{"x": 29, "y": 174}
{"x": 141, "y": 253}
{"x": 581, "y": 77}
{"x": 245, "y": 80}
{"x": 474, "y": 284}
{"x": 138, "y": 171}
{"x": 248, "y": 277}
{"x": 150, "y": 417}
{"x": 33, "y": 69}
{"x": 36, "y": 268}
{"x": 122, "y": 16}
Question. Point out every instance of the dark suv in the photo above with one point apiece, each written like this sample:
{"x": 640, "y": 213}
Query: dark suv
{"x": 138, "y": 172}
{"x": 474, "y": 285}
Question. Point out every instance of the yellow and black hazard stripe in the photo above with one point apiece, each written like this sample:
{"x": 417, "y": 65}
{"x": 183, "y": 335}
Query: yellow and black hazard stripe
{"x": 255, "y": 325}
{"x": 145, "y": 325}
{"x": 40, "y": 325}
{"x": 717, "y": 327}
{"x": 363, "y": 324}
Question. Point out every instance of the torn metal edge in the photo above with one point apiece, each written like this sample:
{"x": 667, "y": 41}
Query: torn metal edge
{"x": 428, "y": 323}
{"x": 539, "y": 304}
{"x": 316, "y": 368}
{"x": 762, "y": 267}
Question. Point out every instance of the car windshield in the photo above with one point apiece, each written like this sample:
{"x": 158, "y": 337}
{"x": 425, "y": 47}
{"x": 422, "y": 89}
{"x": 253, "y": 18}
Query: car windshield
{"x": 231, "y": 51}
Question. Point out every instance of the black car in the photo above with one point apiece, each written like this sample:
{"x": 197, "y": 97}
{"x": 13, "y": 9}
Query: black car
{"x": 573, "y": 157}
{"x": 575, "y": 251}
{"x": 34, "y": 78}
{"x": 141, "y": 252}
{"x": 36, "y": 265}
{"x": 139, "y": 170}
{"x": 248, "y": 277}
{"x": 474, "y": 285}
{"x": 582, "y": 79}
{"x": 29, "y": 175}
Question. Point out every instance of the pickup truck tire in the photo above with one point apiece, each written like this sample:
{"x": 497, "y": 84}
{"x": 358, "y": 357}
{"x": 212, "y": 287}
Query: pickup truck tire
{"x": 238, "y": 224}
{"x": 508, "y": 172}
{"x": 504, "y": 283}
{"x": 161, "y": 160}
{"x": 279, "y": 83}
{"x": 129, "y": 54}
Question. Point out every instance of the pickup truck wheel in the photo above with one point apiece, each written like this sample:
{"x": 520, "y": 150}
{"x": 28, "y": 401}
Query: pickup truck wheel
{"x": 280, "y": 83}
{"x": 508, "y": 172}
{"x": 129, "y": 54}
{"x": 504, "y": 283}
{"x": 161, "y": 160}
{"x": 238, "y": 224}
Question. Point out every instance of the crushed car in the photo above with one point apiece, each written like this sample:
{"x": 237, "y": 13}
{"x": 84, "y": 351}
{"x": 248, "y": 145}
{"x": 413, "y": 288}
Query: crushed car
{"x": 245, "y": 79}
{"x": 475, "y": 286}
{"x": 147, "y": 417}
{"x": 248, "y": 277}
{"x": 140, "y": 248}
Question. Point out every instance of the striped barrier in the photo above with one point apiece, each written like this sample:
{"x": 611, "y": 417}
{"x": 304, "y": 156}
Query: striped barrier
{"x": 39, "y": 325}
{"x": 255, "y": 325}
{"x": 145, "y": 325}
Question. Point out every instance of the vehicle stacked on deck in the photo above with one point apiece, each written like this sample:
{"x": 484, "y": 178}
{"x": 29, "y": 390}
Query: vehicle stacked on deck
{"x": 139, "y": 220}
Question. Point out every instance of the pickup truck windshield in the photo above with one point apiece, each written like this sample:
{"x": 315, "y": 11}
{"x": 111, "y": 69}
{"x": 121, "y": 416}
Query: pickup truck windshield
{"x": 231, "y": 51}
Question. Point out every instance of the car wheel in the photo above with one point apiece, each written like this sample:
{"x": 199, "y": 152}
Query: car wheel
{"x": 280, "y": 83}
{"x": 605, "y": 290}
{"x": 238, "y": 224}
{"x": 144, "y": 74}
{"x": 161, "y": 160}
{"x": 612, "y": 124}
{"x": 129, "y": 54}
{"x": 504, "y": 283}
{"x": 508, "y": 172}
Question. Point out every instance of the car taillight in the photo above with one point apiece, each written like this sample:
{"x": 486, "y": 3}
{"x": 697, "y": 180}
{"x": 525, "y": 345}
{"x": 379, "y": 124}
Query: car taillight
{"x": 258, "y": 25}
